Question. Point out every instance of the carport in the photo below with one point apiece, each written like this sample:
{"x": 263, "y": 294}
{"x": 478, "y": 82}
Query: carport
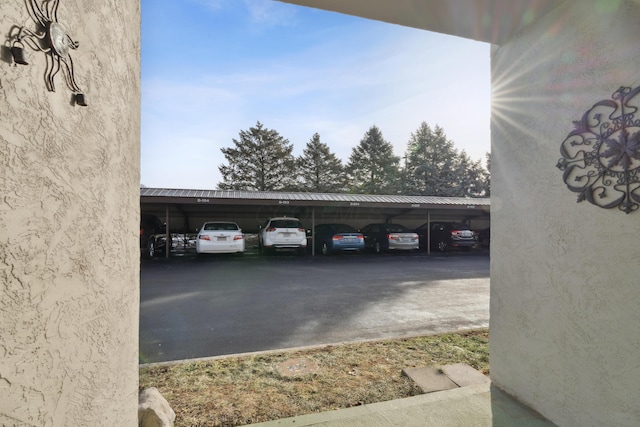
{"x": 185, "y": 210}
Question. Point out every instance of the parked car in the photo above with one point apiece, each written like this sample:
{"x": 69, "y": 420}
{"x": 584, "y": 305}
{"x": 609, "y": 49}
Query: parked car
{"x": 337, "y": 237}
{"x": 153, "y": 238}
{"x": 282, "y": 234}
{"x": 387, "y": 237}
{"x": 447, "y": 235}
{"x": 484, "y": 237}
{"x": 220, "y": 237}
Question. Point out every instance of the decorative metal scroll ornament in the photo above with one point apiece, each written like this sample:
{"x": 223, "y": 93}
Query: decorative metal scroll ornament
{"x": 601, "y": 157}
{"x": 51, "y": 38}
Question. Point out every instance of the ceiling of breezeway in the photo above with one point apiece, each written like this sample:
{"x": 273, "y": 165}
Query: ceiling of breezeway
{"x": 490, "y": 21}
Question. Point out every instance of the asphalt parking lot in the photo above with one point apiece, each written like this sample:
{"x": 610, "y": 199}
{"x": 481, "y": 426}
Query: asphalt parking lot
{"x": 194, "y": 307}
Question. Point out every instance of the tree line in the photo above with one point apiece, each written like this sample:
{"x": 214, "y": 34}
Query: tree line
{"x": 262, "y": 160}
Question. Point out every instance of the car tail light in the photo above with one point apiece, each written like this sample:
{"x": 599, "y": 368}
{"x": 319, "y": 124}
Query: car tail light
{"x": 338, "y": 237}
{"x": 302, "y": 230}
{"x": 392, "y": 236}
{"x": 238, "y": 237}
{"x": 141, "y": 231}
{"x": 415, "y": 236}
{"x": 203, "y": 237}
{"x": 270, "y": 229}
{"x": 360, "y": 237}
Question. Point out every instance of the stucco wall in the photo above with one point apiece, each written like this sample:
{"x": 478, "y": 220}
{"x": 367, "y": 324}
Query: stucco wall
{"x": 69, "y": 257}
{"x": 565, "y": 276}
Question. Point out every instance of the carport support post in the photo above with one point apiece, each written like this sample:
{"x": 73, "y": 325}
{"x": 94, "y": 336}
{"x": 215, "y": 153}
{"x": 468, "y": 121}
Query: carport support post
{"x": 313, "y": 231}
{"x": 167, "y": 241}
{"x": 428, "y": 232}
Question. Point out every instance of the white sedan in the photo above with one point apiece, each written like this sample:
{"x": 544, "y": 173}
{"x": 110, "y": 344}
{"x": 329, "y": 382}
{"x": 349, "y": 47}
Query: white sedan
{"x": 220, "y": 237}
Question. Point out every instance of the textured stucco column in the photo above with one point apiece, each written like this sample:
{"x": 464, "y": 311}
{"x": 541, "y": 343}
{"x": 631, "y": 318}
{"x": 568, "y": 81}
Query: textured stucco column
{"x": 565, "y": 276}
{"x": 69, "y": 212}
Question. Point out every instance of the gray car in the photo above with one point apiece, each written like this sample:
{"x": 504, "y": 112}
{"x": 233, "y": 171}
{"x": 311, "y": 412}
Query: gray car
{"x": 384, "y": 237}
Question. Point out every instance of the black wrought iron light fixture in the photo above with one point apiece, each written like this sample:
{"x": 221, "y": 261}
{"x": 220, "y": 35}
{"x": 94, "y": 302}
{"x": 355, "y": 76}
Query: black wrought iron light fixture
{"x": 601, "y": 157}
{"x": 51, "y": 38}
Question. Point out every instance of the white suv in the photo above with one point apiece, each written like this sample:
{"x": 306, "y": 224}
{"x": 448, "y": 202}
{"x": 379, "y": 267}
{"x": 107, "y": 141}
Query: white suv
{"x": 283, "y": 234}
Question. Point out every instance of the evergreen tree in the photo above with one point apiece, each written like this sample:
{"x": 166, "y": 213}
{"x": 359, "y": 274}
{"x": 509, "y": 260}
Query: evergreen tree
{"x": 261, "y": 160}
{"x": 471, "y": 177}
{"x": 372, "y": 167}
{"x": 487, "y": 181}
{"x": 430, "y": 163}
{"x": 320, "y": 170}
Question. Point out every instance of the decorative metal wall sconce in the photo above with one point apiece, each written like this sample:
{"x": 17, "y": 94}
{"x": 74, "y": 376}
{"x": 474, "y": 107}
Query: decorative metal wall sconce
{"x": 601, "y": 157}
{"x": 51, "y": 38}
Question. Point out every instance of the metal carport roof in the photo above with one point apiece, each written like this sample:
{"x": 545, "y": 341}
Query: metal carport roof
{"x": 257, "y": 205}
{"x": 166, "y": 195}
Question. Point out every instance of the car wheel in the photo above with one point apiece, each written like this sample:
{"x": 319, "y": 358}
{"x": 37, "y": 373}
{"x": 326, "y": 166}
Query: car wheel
{"x": 377, "y": 247}
{"x": 151, "y": 248}
{"x": 442, "y": 246}
{"x": 325, "y": 249}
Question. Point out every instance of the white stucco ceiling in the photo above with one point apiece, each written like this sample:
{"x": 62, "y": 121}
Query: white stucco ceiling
{"x": 491, "y": 21}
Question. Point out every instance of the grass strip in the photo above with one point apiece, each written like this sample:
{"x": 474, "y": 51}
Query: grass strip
{"x": 233, "y": 391}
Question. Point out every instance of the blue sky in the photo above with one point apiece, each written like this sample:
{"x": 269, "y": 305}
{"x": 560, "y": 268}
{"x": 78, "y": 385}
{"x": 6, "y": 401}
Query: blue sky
{"x": 211, "y": 68}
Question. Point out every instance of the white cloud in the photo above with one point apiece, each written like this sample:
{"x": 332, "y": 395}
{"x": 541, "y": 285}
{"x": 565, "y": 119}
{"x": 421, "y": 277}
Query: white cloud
{"x": 213, "y": 5}
{"x": 269, "y": 13}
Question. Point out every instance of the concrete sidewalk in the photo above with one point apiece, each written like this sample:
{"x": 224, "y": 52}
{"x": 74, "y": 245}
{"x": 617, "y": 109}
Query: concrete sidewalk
{"x": 456, "y": 396}
{"x": 476, "y": 405}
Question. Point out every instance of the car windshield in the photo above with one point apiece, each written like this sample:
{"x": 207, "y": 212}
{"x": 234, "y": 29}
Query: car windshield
{"x": 344, "y": 228}
{"x": 219, "y": 226}
{"x": 150, "y": 221}
{"x": 286, "y": 223}
{"x": 459, "y": 226}
{"x": 396, "y": 228}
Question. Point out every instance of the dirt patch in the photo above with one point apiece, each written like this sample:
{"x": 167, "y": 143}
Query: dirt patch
{"x": 297, "y": 367}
